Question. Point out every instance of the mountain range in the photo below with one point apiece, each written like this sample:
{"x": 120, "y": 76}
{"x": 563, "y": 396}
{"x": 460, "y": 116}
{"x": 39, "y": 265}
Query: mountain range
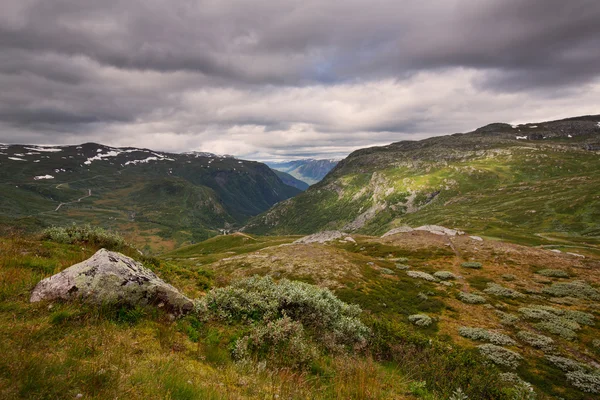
{"x": 155, "y": 197}
{"x": 525, "y": 182}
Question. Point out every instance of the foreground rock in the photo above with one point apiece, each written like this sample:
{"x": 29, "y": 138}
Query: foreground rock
{"x": 112, "y": 278}
{"x": 435, "y": 229}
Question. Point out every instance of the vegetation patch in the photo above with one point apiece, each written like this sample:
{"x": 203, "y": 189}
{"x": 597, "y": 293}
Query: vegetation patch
{"x": 500, "y": 356}
{"x": 472, "y": 265}
{"x": 486, "y": 336}
{"x": 420, "y": 319}
{"x": 577, "y": 289}
{"x": 534, "y": 340}
{"x": 444, "y": 275}
{"x": 421, "y": 275}
{"x": 471, "y": 298}
{"x": 502, "y": 291}
{"x": 553, "y": 273}
{"x": 94, "y": 236}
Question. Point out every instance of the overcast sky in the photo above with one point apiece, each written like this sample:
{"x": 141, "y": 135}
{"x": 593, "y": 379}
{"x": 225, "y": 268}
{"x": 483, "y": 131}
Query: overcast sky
{"x": 267, "y": 79}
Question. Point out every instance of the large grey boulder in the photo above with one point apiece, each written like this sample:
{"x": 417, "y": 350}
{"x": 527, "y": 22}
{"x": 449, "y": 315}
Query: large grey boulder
{"x": 112, "y": 278}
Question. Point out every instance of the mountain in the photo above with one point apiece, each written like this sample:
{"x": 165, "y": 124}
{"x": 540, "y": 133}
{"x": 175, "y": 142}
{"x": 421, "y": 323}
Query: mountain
{"x": 290, "y": 180}
{"x": 308, "y": 170}
{"x": 532, "y": 182}
{"x": 153, "y": 197}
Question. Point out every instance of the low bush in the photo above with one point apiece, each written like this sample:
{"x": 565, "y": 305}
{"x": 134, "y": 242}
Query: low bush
{"x": 535, "y": 340}
{"x": 420, "y": 319}
{"x": 486, "y": 336}
{"x": 553, "y": 273}
{"x": 444, "y": 275}
{"x": 421, "y": 275}
{"x": 85, "y": 234}
{"x": 578, "y": 289}
{"x": 284, "y": 307}
{"x": 471, "y": 298}
{"x": 386, "y": 271}
{"x": 509, "y": 277}
{"x": 471, "y": 264}
{"x": 500, "y": 356}
{"x": 402, "y": 267}
{"x": 586, "y": 382}
{"x": 566, "y": 364}
{"x": 506, "y": 318}
{"x": 499, "y": 290}
{"x": 560, "y": 322}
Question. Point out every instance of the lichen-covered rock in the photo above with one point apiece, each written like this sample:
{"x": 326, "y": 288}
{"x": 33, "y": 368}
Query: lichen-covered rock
{"x": 321, "y": 237}
{"x": 112, "y": 278}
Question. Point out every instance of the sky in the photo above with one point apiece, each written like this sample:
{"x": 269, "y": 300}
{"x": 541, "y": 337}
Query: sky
{"x": 288, "y": 79}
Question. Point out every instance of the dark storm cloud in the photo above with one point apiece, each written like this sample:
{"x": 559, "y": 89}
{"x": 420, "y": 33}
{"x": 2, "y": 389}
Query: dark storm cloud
{"x": 340, "y": 73}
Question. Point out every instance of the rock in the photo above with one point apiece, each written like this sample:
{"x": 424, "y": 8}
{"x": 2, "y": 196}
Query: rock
{"x": 402, "y": 229}
{"x": 478, "y": 238}
{"x": 113, "y": 278}
{"x": 350, "y": 239}
{"x": 439, "y": 230}
{"x": 321, "y": 237}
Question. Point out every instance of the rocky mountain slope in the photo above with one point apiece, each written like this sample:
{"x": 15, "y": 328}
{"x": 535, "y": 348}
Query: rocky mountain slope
{"x": 153, "y": 197}
{"x": 532, "y": 182}
{"x": 308, "y": 170}
{"x": 290, "y": 180}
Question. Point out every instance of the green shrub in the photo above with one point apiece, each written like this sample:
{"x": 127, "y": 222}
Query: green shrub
{"x": 443, "y": 275}
{"x": 421, "y": 275}
{"x": 85, "y": 234}
{"x": 586, "y": 382}
{"x": 500, "y": 356}
{"x": 471, "y": 298}
{"x": 329, "y": 321}
{"x": 499, "y": 290}
{"x": 471, "y": 264}
{"x": 553, "y": 273}
{"x": 578, "y": 289}
{"x": 535, "y": 340}
{"x": 420, "y": 319}
{"x": 486, "y": 336}
{"x": 560, "y": 322}
{"x": 506, "y": 318}
{"x": 402, "y": 267}
{"x": 566, "y": 364}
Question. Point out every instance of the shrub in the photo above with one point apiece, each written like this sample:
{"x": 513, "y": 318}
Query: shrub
{"x": 586, "y": 382}
{"x": 420, "y": 319}
{"x": 402, "y": 267}
{"x": 471, "y": 298}
{"x": 443, "y": 275}
{"x": 486, "y": 336}
{"x": 471, "y": 264}
{"x": 566, "y": 364}
{"x": 500, "y": 356}
{"x": 85, "y": 234}
{"x": 506, "y": 318}
{"x": 421, "y": 275}
{"x": 386, "y": 271}
{"x": 578, "y": 289}
{"x": 555, "y": 320}
{"x": 458, "y": 394}
{"x": 331, "y": 322}
{"x": 281, "y": 342}
{"x": 509, "y": 277}
{"x": 553, "y": 273}
{"x": 499, "y": 290}
{"x": 535, "y": 340}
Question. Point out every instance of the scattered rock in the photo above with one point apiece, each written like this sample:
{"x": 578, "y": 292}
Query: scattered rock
{"x": 321, "y": 237}
{"x": 478, "y": 238}
{"x": 111, "y": 277}
{"x": 402, "y": 229}
{"x": 439, "y": 230}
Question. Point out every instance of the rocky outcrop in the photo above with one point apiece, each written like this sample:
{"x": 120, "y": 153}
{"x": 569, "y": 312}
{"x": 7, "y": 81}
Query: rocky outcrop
{"x": 112, "y": 278}
{"x": 439, "y": 230}
{"x": 321, "y": 237}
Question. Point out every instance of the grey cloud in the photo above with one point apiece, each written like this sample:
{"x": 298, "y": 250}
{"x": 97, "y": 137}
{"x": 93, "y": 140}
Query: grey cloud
{"x": 202, "y": 71}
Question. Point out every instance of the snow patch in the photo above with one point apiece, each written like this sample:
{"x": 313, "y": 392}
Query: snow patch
{"x": 101, "y": 156}
{"x": 37, "y": 178}
{"x": 44, "y": 149}
{"x": 134, "y": 162}
{"x": 521, "y": 137}
{"x": 570, "y": 136}
{"x": 16, "y": 159}
{"x": 533, "y": 126}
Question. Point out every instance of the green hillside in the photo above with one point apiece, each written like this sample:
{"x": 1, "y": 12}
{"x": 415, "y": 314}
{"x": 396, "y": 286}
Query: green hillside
{"x": 528, "y": 182}
{"x": 157, "y": 199}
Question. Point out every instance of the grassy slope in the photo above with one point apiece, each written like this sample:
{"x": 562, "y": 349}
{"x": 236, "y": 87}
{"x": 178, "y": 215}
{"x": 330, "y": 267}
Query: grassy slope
{"x": 366, "y": 274}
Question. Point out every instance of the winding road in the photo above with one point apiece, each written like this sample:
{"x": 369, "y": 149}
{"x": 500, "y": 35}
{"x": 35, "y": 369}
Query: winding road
{"x": 75, "y": 201}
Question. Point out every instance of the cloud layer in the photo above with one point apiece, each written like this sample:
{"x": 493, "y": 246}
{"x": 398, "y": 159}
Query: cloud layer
{"x": 284, "y": 79}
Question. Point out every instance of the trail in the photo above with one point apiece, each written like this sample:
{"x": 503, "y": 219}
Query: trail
{"x": 75, "y": 201}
